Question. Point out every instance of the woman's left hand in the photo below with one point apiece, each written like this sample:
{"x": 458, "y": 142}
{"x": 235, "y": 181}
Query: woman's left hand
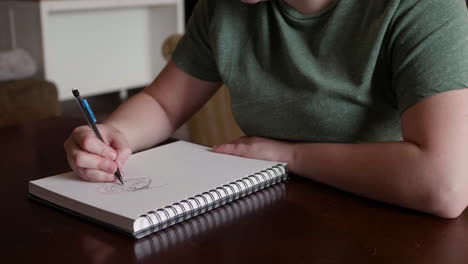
{"x": 258, "y": 148}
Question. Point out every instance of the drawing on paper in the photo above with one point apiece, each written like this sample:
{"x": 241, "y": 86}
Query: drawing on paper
{"x": 130, "y": 185}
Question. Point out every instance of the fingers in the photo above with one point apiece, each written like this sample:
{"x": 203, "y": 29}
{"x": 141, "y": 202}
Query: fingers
{"x": 119, "y": 142}
{"x": 92, "y": 159}
{"x": 257, "y": 148}
{"x": 237, "y": 147}
{"x": 89, "y": 166}
{"x": 87, "y": 140}
{"x": 224, "y": 148}
{"x": 122, "y": 156}
{"x": 87, "y": 160}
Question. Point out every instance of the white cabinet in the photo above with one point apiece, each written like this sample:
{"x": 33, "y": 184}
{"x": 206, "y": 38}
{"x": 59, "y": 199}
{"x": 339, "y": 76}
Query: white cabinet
{"x": 95, "y": 46}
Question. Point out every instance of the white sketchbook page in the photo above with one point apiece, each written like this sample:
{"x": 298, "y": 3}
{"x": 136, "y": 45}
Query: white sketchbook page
{"x": 177, "y": 171}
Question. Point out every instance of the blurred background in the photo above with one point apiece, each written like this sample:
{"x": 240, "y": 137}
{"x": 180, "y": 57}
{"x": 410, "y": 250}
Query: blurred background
{"x": 107, "y": 49}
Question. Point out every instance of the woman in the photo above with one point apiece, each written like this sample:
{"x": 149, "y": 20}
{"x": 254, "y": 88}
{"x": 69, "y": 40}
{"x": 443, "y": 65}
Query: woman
{"x": 367, "y": 96}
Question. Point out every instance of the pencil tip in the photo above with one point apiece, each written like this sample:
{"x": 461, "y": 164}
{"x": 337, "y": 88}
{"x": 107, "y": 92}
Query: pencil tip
{"x": 119, "y": 176}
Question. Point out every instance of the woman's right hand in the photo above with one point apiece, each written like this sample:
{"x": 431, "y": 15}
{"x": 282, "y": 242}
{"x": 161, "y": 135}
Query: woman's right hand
{"x": 92, "y": 159}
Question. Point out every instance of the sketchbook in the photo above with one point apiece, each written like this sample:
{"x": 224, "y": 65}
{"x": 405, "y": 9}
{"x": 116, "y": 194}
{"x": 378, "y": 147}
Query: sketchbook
{"x": 162, "y": 187}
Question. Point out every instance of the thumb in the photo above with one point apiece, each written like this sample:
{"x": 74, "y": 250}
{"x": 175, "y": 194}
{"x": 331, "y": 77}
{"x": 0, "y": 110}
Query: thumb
{"x": 122, "y": 156}
{"x": 118, "y": 141}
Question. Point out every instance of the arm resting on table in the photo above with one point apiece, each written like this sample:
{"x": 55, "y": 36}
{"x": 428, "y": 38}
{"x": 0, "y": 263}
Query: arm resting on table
{"x": 427, "y": 171}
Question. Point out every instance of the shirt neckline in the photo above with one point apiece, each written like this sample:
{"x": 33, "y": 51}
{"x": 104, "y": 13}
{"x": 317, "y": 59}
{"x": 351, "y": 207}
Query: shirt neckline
{"x": 294, "y": 13}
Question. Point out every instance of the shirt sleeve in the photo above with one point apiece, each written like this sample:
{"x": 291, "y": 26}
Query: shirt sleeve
{"x": 429, "y": 49}
{"x": 193, "y": 53}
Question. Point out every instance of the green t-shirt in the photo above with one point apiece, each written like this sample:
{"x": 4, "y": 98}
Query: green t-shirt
{"x": 345, "y": 74}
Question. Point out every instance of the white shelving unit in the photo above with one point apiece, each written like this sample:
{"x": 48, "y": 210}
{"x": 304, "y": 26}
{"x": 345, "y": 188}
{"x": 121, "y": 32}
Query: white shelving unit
{"x": 95, "y": 46}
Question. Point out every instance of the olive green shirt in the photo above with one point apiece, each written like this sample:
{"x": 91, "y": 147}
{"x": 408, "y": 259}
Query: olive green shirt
{"x": 345, "y": 74}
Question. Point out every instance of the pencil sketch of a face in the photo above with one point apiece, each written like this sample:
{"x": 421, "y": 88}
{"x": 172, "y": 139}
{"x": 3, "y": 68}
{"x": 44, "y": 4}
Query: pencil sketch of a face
{"x": 130, "y": 185}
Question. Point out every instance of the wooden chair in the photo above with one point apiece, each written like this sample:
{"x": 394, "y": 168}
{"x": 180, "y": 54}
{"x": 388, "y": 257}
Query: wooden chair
{"x": 26, "y": 100}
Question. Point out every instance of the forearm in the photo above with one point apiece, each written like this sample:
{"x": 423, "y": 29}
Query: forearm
{"x": 427, "y": 171}
{"x": 151, "y": 116}
{"x": 399, "y": 173}
{"x": 142, "y": 120}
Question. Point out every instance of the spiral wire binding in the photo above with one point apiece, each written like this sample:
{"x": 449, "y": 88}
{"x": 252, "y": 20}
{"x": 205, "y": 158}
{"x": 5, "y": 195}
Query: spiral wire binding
{"x": 210, "y": 221}
{"x": 201, "y": 203}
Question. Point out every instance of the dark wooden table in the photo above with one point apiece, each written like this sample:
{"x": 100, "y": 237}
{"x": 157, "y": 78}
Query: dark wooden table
{"x": 305, "y": 223}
